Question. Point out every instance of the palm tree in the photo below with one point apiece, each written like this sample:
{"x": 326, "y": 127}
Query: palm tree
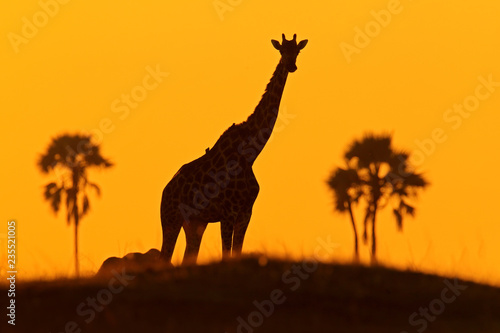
{"x": 69, "y": 156}
{"x": 345, "y": 185}
{"x": 367, "y": 157}
{"x": 383, "y": 173}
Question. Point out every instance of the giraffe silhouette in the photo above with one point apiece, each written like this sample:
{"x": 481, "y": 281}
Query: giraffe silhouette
{"x": 220, "y": 186}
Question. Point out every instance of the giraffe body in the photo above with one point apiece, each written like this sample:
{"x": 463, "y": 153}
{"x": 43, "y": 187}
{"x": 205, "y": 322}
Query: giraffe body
{"x": 220, "y": 186}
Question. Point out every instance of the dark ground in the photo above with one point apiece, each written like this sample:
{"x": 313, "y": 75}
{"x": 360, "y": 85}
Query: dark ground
{"x": 218, "y": 297}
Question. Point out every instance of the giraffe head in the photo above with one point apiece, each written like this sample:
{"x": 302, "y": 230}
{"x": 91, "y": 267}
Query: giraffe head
{"x": 289, "y": 50}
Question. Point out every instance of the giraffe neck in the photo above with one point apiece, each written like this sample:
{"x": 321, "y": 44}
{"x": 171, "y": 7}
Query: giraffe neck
{"x": 260, "y": 123}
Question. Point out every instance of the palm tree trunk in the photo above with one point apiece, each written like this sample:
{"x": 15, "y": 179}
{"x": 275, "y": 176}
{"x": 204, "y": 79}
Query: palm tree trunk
{"x": 365, "y": 224}
{"x": 374, "y": 237}
{"x": 77, "y": 264}
{"x": 356, "y": 248}
{"x": 76, "y": 220}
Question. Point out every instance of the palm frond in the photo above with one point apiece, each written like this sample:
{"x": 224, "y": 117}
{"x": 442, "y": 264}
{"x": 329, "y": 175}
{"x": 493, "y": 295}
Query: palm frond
{"x": 94, "y": 158}
{"x": 372, "y": 149}
{"x": 49, "y": 190}
{"x": 85, "y": 206}
{"x": 416, "y": 180}
{"x": 344, "y": 183}
{"x": 52, "y": 193}
{"x": 96, "y": 188}
{"x": 399, "y": 219}
{"x": 86, "y": 182}
{"x": 410, "y": 210}
{"x": 71, "y": 151}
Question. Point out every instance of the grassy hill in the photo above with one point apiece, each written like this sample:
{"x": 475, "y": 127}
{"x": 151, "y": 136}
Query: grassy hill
{"x": 253, "y": 295}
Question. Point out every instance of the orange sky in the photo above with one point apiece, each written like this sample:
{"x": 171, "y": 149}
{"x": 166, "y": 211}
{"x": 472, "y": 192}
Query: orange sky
{"x": 69, "y": 74}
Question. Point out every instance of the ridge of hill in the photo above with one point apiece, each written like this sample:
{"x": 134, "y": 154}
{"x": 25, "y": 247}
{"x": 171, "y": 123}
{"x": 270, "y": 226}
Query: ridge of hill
{"x": 256, "y": 294}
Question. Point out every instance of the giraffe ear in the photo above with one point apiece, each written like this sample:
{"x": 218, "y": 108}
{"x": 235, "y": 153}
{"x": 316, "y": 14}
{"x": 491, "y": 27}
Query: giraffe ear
{"x": 302, "y": 44}
{"x": 276, "y": 44}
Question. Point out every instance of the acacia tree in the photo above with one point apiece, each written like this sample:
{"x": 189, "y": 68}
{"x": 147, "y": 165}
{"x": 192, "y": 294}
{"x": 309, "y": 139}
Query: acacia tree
{"x": 69, "y": 157}
{"x": 384, "y": 175}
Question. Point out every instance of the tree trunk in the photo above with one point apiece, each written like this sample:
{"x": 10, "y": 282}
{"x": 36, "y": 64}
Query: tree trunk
{"x": 356, "y": 248}
{"x": 76, "y": 220}
{"x": 365, "y": 224}
{"x": 77, "y": 265}
{"x": 374, "y": 237}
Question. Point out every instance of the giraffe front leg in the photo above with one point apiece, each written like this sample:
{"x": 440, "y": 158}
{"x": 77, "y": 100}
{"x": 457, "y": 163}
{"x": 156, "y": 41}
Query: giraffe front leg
{"x": 194, "y": 232}
{"x": 240, "y": 228}
{"x": 226, "y": 231}
{"x": 171, "y": 228}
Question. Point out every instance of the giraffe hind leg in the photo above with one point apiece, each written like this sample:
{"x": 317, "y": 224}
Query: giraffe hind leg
{"x": 240, "y": 228}
{"x": 226, "y": 231}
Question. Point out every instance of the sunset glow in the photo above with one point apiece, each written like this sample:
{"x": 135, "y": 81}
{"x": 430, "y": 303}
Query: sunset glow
{"x": 156, "y": 83}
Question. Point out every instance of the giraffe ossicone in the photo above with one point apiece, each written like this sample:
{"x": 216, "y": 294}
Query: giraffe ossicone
{"x": 220, "y": 186}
